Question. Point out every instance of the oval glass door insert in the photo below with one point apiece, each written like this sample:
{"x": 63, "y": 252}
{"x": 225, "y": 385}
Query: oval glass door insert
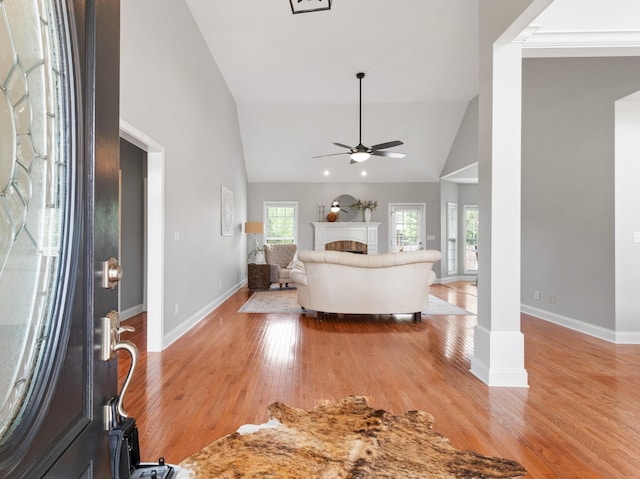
{"x": 35, "y": 188}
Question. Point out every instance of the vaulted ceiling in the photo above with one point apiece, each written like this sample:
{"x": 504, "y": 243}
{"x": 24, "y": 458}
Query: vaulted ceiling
{"x": 294, "y": 77}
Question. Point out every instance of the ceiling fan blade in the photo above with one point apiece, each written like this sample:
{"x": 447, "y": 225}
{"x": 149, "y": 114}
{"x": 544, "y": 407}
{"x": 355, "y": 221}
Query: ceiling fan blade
{"x": 388, "y": 144}
{"x": 344, "y": 146}
{"x": 388, "y": 154}
{"x": 332, "y": 154}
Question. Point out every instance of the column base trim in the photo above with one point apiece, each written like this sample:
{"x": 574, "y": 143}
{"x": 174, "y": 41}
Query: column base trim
{"x": 495, "y": 354}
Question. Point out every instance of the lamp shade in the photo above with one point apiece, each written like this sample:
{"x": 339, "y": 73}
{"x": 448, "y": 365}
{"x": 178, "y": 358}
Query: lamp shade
{"x": 255, "y": 227}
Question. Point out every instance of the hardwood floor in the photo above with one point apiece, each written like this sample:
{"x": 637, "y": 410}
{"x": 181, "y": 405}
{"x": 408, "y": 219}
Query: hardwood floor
{"x": 580, "y": 417}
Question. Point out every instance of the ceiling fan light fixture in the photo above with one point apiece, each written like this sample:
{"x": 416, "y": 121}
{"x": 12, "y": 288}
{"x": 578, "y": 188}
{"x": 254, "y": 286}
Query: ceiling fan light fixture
{"x": 360, "y": 156}
{"x": 360, "y": 152}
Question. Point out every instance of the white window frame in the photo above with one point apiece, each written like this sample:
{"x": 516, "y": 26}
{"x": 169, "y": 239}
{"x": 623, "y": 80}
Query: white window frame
{"x": 452, "y": 238}
{"x": 280, "y": 204}
{"x": 464, "y": 229}
{"x": 422, "y": 222}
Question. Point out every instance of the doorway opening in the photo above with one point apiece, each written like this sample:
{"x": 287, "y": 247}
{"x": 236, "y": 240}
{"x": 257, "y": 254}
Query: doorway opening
{"x": 155, "y": 233}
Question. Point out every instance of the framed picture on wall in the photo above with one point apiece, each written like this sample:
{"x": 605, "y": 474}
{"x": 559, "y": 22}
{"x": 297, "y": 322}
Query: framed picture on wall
{"x": 226, "y": 205}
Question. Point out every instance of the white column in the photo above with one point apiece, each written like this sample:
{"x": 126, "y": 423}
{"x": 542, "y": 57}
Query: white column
{"x": 499, "y": 345}
{"x": 498, "y": 358}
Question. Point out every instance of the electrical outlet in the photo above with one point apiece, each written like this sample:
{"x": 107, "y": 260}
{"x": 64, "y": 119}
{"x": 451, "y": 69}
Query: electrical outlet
{"x": 552, "y": 299}
{"x": 536, "y": 295}
{"x": 220, "y": 284}
{"x": 175, "y": 309}
{"x": 636, "y": 236}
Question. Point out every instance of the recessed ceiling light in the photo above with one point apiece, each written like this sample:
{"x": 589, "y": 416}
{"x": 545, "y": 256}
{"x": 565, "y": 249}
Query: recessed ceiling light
{"x": 327, "y": 172}
{"x": 363, "y": 173}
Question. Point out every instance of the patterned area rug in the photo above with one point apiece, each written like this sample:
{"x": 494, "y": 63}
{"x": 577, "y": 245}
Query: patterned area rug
{"x": 286, "y": 302}
{"x": 343, "y": 440}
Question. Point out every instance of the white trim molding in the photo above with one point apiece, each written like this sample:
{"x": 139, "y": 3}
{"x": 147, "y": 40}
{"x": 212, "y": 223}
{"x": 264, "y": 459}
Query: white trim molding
{"x": 579, "y": 43}
{"x": 453, "y": 279}
{"x": 616, "y": 337}
{"x": 131, "y": 312}
{"x": 155, "y": 232}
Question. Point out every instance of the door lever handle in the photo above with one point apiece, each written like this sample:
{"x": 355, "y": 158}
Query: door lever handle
{"x": 133, "y": 351}
{"x": 111, "y": 344}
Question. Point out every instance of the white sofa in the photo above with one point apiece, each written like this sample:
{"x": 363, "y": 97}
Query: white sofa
{"x": 390, "y": 283}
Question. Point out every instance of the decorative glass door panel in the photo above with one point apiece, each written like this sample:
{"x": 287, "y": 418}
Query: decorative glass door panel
{"x": 35, "y": 211}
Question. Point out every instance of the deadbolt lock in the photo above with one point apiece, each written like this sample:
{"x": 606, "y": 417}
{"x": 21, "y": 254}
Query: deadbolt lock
{"x": 111, "y": 273}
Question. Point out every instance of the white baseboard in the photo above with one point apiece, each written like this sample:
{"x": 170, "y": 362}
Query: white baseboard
{"x": 131, "y": 312}
{"x": 451, "y": 279}
{"x": 616, "y": 337}
{"x": 184, "y": 327}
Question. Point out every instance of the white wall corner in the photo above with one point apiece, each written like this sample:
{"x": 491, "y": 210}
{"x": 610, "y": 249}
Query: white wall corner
{"x": 498, "y": 358}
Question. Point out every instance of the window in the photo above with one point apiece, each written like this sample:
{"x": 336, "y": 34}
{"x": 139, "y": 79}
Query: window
{"x": 452, "y": 238}
{"x": 281, "y": 222}
{"x": 408, "y": 223}
{"x": 471, "y": 238}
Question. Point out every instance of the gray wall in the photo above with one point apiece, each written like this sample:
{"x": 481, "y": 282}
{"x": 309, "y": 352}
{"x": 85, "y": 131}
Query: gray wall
{"x": 568, "y": 183}
{"x": 308, "y": 195}
{"x": 132, "y": 248}
{"x": 464, "y": 151}
{"x": 173, "y": 92}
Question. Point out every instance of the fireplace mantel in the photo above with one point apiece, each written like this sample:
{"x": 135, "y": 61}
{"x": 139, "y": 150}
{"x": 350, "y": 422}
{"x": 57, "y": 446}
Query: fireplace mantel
{"x": 327, "y": 232}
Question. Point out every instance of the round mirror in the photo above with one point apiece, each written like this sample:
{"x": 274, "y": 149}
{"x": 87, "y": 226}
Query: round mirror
{"x": 347, "y": 212}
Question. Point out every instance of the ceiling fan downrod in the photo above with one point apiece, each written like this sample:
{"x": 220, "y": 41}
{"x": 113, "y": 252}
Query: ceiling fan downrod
{"x": 360, "y": 76}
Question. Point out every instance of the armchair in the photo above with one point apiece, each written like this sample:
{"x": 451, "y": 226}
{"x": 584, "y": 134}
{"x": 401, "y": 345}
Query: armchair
{"x": 279, "y": 257}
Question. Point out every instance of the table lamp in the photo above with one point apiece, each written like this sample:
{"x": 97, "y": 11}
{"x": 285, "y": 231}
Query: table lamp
{"x": 255, "y": 228}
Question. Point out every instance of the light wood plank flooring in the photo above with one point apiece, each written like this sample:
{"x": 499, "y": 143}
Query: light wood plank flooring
{"x": 580, "y": 417}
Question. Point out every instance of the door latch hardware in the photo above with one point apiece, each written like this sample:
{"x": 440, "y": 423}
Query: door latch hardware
{"x": 111, "y": 344}
{"x": 111, "y": 330}
{"x": 111, "y": 273}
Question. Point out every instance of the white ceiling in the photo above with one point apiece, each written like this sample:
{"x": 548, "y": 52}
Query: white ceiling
{"x": 293, "y": 78}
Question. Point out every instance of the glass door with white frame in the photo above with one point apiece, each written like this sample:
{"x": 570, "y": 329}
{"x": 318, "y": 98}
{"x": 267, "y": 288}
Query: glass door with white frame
{"x": 471, "y": 239}
{"x": 407, "y": 226}
{"x": 452, "y": 238}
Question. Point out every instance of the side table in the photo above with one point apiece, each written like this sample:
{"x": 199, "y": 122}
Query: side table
{"x": 258, "y": 276}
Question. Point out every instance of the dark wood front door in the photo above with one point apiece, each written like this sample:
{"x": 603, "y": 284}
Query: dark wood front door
{"x": 59, "y": 154}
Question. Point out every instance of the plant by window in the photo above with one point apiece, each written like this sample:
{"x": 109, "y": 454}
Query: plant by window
{"x": 365, "y": 204}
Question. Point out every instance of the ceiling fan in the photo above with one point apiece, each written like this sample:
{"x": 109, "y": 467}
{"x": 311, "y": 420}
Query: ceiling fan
{"x": 360, "y": 152}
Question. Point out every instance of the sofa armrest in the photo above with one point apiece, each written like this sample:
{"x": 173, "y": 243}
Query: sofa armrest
{"x": 298, "y": 276}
